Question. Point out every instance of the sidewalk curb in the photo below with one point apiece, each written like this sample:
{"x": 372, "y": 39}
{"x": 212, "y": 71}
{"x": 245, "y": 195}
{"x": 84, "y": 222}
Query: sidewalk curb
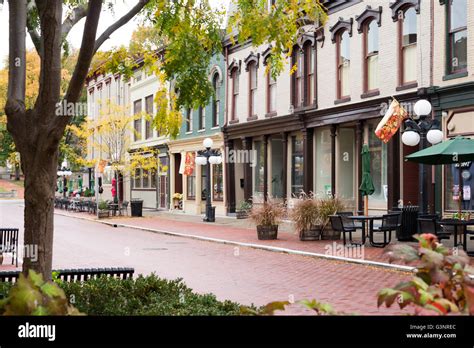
{"x": 395, "y": 267}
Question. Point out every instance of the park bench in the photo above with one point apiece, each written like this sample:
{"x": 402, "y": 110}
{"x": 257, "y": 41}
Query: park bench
{"x": 9, "y": 242}
{"x": 76, "y": 275}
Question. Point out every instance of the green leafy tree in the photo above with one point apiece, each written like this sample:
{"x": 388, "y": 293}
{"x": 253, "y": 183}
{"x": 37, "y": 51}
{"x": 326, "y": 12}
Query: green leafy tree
{"x": 192, "y": 33}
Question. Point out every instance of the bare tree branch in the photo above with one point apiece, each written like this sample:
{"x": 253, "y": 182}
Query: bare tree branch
{"x": 74, "y": 17}
{"x": 122, "y": 21}
{"x": 34, "y": 35}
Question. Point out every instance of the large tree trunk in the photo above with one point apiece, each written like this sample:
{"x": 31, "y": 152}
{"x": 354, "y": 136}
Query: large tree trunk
{"x": 40, "y": 179}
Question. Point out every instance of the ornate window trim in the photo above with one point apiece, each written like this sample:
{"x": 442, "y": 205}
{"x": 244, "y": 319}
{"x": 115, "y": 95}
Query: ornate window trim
{"x": 266, "y": 54}
{"x": 252, "y": 57}
{"x": 341, "y": 25}
{"x": 401, "y": 5}
{"x": 369, "y": 14}
{"x": 216, "y": 70}
{"x": 234, "y": 65}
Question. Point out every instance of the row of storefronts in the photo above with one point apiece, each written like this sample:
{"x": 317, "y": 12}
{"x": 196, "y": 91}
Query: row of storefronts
{"x": 303, "y": 132}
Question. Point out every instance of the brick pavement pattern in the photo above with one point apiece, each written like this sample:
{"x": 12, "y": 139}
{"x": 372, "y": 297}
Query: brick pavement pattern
{"x": 240, "y": 274}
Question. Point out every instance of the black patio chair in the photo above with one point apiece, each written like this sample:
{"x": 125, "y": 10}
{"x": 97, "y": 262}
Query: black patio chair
{"x": 124, "y": 207}
{"x": 390, "y": 223}
{"x": 349, "y": 222}
{"x": 338, "y": 224}
{"x": 430, "y": 224}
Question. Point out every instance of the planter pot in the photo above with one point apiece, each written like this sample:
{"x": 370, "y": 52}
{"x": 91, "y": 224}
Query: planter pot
{"x": 242, "y": 214}
{"x": 267, "y": 232}
{"x": 312, "y": 234}
{"x": 103, "y": 214}
{"x": 329, "y": 234}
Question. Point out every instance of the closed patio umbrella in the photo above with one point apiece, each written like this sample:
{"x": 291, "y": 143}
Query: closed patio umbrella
{"x": 366, "y": 187}
{"x": 452, "y": 151}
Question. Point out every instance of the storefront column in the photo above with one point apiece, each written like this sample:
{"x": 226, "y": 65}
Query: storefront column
{"x": 308, "y": 159}
{"x": 333, "y": 160}
{"x": 285, "y": 164}
{"x": 265, "y": 167}
{"x": 393, "y": 171}
{"x": 230, "y": 179}
{"x": 247, "y": 146}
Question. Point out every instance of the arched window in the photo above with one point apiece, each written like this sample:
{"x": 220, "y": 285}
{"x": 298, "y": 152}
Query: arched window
{"x": 271, "y": 94}
{"x": 371, "y": 56}
{"x": 343, "y": 65}
{"x": 215, "y": 100}
{"x": 457, "y": 18}
{"x": 408, "y": 46}
{"x": 252, "y": 68}
{"x": 201, "y": 118}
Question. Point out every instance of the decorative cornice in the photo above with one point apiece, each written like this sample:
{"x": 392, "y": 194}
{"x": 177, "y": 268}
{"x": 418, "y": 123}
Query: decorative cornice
{"x": 369, "y": 14}
{"x": 252, "y": 57}
{"x": 401, "y": 5}
{"x": 306, "y": 37}
{"x": 341, "y": 24}
{"x": 266, "y": 54}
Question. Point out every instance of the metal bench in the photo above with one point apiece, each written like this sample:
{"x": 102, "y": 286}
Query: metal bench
{"x": 9, "y": 242}
{"x": 76, "y": 275}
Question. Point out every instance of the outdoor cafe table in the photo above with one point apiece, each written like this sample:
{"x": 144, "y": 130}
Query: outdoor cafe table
{"x": 459, "y": 223}
{"x": 364, "y": 219}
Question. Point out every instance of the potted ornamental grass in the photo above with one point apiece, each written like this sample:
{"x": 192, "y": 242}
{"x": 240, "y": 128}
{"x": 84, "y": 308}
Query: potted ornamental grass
{"x": 267, "y": 216}
{"x": 327, "y": 207}
{"x": 242, "y": 212}
{"x": 306, "y": 218}
{"x": 103, "y": 209}
{"x": 177, "y": 198}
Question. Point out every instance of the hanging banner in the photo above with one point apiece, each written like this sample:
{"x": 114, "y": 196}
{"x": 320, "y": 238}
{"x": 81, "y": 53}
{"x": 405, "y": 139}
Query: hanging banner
{"x": 189, "y": 164}
{"x": 391, "y": 122}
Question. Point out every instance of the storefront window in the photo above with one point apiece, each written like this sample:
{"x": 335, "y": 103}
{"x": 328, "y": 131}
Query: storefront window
{"x": 217, "y": 183}
{"x": 297, "y": 163}
{"x": 277, "y": 167}
{"x": 191, "y": 185}
{"x": 452, "y": 186}
{"x": 346, "y": 166}
{"x": 378, "y": 170}
{"x": 323, "y": 162}
{"x": 259, "y": 167}
{"x": 203, "y": 183}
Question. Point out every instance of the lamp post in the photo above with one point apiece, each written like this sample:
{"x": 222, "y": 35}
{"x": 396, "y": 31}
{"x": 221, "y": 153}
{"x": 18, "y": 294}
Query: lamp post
{"x": 65, "y": 172}
{"x": 418, "y": 130}
{"x": 208, "y": 157}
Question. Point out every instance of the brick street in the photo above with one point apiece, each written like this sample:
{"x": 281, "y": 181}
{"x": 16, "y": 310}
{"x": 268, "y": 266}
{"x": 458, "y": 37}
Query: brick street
{"x": 240, "y": 274}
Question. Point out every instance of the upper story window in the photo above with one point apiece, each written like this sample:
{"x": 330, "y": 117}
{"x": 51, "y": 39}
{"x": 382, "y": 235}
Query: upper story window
{"x": 215, "y": 100}
{"x": 189, "y": 120}
{"x": 457, "y": 24}
{"x": 201, "y": 118}
{"x": 371, "y": 56}
{"x": 137, "y": 122}
{"x": 343, "y": 65}
{"x": 235, "y": 92}
{"x": 149, "y": 112}
{"x": 304, "y": 92}
{"x": 409, "y": 41}
{"x": 252, "y": 67}
{"x": 91, "y": 103}
{"x": 271, "y": 94}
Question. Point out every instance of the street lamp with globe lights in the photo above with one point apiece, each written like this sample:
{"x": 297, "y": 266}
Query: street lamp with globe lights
{"x": 65, "y": 172}
{"x": 208, "y": 157}
{"x": 418, "y": 129}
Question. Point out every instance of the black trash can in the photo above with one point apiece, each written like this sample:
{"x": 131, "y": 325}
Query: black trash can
{"x": 136, "y": 206}
{"x": 409, "y": 223}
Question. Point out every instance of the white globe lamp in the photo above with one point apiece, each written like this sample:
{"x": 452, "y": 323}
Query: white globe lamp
{"x": 207, "y": 143}
{"x": 422, "y": 107}
{"x": 434, "y": 136}
{"x": 411, "y": 138}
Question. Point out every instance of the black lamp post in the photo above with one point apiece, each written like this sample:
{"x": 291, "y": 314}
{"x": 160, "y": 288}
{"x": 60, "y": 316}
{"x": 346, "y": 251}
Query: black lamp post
{"x": 419, "y": 130}
{"x": 206, "y": 158}
{"x": 64, "y": 171}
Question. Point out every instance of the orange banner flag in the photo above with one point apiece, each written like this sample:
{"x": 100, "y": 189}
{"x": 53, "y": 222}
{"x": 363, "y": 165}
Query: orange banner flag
{"x": 391, "y": 122}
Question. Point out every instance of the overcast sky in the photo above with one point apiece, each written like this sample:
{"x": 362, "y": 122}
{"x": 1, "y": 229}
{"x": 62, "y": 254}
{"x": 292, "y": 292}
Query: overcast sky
{"x": 120, "y": 37}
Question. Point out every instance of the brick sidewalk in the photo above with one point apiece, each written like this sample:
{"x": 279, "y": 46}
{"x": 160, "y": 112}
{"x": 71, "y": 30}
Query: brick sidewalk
{"x": 234, "y": 230}
{"x": 9, "y": 185}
